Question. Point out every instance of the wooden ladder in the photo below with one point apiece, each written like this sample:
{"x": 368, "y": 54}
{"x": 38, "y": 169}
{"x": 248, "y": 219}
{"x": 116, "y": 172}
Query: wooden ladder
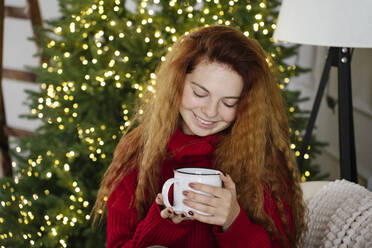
{"x": 30, "y": 12}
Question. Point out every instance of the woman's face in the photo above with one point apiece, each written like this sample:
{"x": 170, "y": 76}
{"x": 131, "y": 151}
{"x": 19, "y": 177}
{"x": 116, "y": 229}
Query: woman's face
{"x": 210, "y": 97}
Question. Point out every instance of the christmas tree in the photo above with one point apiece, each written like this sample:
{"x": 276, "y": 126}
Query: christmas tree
{"x": 102, "y": 57}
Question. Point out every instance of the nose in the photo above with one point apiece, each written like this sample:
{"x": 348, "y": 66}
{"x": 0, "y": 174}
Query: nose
{"x": 210, "y": 109}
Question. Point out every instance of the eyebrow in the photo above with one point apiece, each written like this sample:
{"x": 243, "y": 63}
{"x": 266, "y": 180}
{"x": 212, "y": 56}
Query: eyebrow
{"x": 203, "y": 88}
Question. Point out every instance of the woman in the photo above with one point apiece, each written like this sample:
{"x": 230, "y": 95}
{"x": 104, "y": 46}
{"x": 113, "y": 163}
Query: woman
{"x": 217, "y": 105}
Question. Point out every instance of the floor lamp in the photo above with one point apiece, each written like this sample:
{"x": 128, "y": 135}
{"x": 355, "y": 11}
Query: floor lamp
{"x": 339, "y": 25}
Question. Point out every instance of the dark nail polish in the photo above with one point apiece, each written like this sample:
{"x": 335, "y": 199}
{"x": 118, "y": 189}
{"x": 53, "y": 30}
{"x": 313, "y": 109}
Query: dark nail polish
{"x": 191, "y": 213}
{"x": 183, "y": 215}
{"x": 169, "y": 211}
{"x": 185, "y": 193}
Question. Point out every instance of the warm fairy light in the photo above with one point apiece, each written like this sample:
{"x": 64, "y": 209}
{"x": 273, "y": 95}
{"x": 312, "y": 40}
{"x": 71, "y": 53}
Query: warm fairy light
{"x": 58, "y": 30}
{"x": 306, "y": 156}
{"x": 72, "y": 27}
{"x": 51, "y": 44}
{"x": 258, "y": 17}
{"x": 62, "y": 242}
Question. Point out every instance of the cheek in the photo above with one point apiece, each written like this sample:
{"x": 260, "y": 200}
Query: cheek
{"x": 188, "y": 100}
{"x": 228, "y": 115}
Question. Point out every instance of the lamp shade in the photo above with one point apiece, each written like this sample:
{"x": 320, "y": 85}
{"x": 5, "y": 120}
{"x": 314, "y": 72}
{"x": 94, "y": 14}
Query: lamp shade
{"x": 336, "y": 23}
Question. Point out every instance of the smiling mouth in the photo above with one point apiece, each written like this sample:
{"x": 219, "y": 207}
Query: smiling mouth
{"x": 204, "y": 122}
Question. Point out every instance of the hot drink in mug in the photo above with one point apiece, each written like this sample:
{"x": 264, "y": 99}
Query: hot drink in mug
{"x": 181, "y": 180}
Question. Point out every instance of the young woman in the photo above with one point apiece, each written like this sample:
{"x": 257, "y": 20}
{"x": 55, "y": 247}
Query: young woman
{"x": 216, "y": 105}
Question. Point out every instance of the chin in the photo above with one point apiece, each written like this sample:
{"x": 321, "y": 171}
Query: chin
{"x": 204, "y": 132}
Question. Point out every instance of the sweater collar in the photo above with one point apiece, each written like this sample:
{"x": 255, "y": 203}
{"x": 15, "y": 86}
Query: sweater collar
{"x": 181, "y": 145}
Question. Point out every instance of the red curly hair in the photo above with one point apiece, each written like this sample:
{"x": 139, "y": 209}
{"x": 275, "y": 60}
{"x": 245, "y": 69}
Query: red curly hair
{"x": 262, "y": 160}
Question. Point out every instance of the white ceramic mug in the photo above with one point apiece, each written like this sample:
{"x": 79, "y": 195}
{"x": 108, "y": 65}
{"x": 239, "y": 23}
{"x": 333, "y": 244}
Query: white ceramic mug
{"x": 181, "y": 180}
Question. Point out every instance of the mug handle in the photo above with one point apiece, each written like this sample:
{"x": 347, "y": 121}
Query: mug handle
{"x": 165, "y": 192}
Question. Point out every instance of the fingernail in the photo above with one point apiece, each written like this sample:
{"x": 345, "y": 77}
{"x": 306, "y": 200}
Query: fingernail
{"x": 185, "y": 193}
{"x": 192, "y": 185}
{"x": 183, "y": 215}
{"x": 169, "y": 211}
{"x": 191, "y": 213}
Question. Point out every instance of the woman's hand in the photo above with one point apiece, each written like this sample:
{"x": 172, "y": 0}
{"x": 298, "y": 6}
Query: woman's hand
{"x": 222, "y": 206}
{"x": 169, "y": 213}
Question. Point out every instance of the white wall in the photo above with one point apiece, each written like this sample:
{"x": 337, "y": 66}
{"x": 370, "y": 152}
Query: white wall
{"x": 19, "y": 52}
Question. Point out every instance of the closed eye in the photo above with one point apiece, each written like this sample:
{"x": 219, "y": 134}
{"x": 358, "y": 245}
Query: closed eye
{"x": 229, "y": 105}
{"x": 198, "y": 95}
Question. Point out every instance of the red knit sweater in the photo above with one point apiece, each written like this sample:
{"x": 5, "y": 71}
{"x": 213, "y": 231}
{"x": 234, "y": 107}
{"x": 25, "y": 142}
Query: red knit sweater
{"x": 124, "y": 229}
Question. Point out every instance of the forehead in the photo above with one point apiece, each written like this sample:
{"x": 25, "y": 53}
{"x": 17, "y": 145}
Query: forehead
{"x": 217, "y": 78}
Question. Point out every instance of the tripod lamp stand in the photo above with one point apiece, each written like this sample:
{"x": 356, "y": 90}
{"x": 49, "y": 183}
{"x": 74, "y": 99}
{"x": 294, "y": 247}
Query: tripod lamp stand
{"x": 339, "y": 25}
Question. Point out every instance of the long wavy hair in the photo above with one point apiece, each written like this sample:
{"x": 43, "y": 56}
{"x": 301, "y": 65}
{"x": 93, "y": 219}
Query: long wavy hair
{"x": 254, "y": 150}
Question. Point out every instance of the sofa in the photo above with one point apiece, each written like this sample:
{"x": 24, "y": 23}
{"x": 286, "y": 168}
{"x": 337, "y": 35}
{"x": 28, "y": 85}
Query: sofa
{"x": 339, "y": 214}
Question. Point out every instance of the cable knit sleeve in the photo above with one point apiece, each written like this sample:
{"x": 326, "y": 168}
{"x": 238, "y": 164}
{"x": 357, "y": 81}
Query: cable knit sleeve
{"x": 244, "y": 233}
{"x": 124, "y": 229}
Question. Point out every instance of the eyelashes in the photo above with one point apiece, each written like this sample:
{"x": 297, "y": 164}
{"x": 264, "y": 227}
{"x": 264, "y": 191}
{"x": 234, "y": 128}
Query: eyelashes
{"x": 229, "y": 105}
{"x": 198, "y": 95}
{"x": 224, "y": 103}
